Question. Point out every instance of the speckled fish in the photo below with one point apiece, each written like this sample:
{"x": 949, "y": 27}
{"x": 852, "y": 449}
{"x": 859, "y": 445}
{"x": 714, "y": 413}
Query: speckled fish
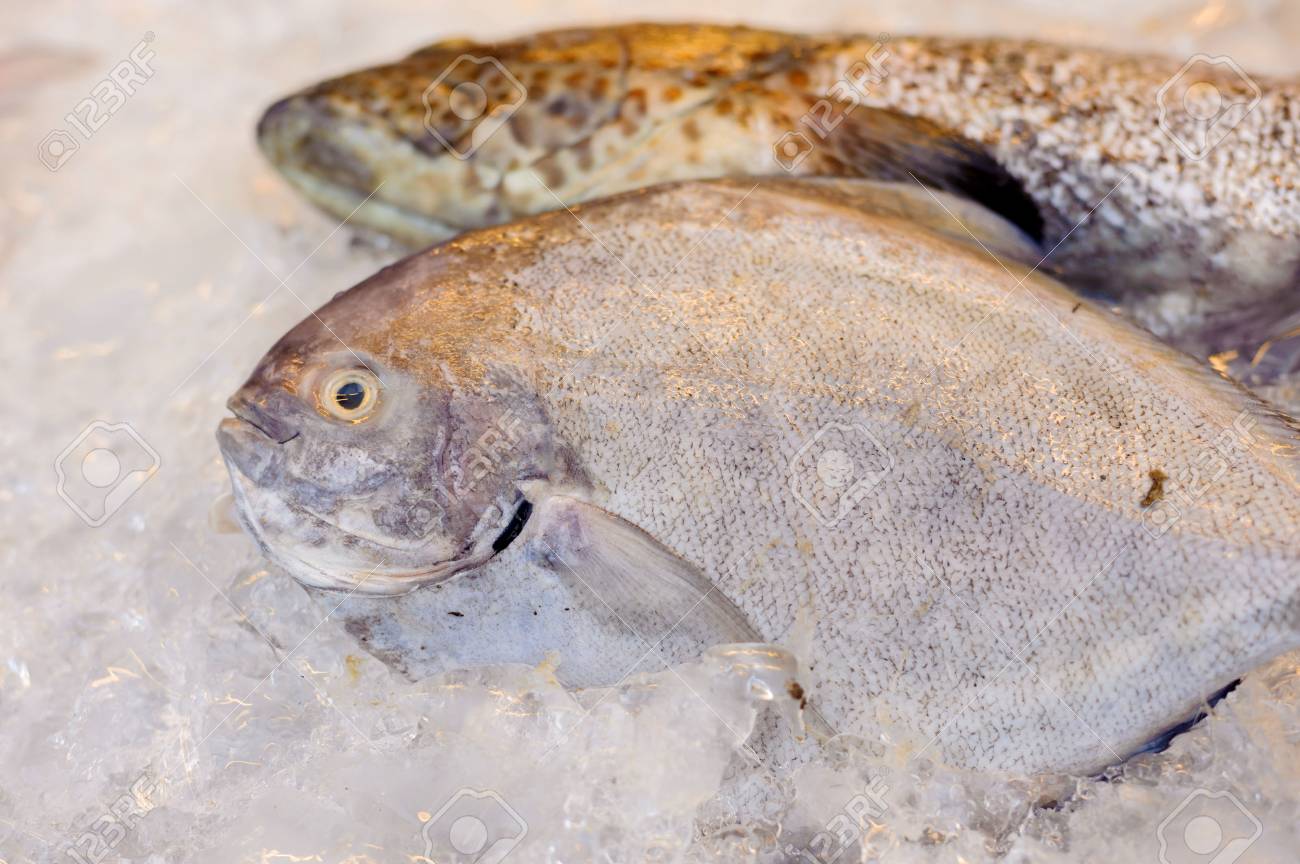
{"x": 1025, "y": 532}
{"x": 1173, "y": 190}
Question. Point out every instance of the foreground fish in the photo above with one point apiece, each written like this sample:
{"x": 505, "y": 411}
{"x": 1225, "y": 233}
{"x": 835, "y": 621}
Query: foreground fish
{"x": 1028, "y": 534}
{"x": 1173, "y": 190}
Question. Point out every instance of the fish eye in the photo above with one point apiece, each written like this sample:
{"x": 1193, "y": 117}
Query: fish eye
{"x": 349, "y": 394}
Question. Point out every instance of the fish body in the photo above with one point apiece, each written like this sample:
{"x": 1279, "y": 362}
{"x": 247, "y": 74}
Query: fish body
{"x": 1171, "y": 188}
{"x": 1027, "y": 534}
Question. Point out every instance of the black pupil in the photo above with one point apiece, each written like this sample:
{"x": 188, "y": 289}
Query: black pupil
{"x": 350, "y": 396}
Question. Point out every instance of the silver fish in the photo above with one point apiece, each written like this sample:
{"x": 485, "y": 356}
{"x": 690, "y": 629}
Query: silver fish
{"x": 1027, "y": 534}
{"x": 1170, "y": 188}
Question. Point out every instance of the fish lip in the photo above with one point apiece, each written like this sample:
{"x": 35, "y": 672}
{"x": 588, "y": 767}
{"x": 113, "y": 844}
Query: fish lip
{"x": 376, "y": 581}
{"x": 294, "y": 135}
{"x": 248, "y": 452}
{"x": 368, "y": 210}
{"x": 389, "y": 582}
{"x": 473, "y": 554}
{"x": 251, "y": 414}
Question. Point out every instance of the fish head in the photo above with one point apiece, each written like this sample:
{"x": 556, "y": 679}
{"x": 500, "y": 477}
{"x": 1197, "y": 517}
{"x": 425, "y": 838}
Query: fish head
{"x": 467, "y": 134}
{"x": 366, "y": 453}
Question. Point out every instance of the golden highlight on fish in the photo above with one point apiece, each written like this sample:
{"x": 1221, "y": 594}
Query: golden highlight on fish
{"x": 705, "y": 412}
{"x": 1171, "y": 188}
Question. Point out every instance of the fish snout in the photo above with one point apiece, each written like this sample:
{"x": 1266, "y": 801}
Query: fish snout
{"x": 301, "y": 133}
{"x": 251, "y": 441}
{"x": 247, "y": 451}
{"x": 258, "y": 415}
{"x": 282, "y": 129}
{"x": 273, "y": 118}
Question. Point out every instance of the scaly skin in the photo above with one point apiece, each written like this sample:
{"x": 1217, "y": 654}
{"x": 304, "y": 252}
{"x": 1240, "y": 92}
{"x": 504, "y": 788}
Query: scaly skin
{"x": 1041, "y": 481}
{"x": 1205, "y": 253}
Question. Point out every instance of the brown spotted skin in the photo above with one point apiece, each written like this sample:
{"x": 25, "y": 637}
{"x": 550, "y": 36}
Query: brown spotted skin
{"x": 1205, "y": 252}
{"x": 592, "y": 100}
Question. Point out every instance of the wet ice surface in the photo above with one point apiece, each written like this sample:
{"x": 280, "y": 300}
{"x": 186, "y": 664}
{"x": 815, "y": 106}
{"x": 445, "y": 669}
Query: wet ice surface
{"x": 150, "y": 664}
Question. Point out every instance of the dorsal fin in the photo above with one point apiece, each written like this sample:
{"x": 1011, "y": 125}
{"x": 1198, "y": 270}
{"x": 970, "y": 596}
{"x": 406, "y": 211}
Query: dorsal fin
{"x": 945, "y": 213}
{"x": 881, "y": 144}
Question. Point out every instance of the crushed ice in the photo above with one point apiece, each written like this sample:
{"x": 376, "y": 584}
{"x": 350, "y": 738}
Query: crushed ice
{"x": 163, "y": 699}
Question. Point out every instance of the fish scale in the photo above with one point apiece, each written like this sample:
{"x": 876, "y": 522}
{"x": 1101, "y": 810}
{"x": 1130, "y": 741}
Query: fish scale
{"x": 1203, "y": 251}
{"x": 996, "y": 589}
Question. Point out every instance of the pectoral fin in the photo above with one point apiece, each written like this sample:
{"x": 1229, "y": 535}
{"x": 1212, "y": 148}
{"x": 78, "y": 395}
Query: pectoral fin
{"x": 673, "y": 608}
